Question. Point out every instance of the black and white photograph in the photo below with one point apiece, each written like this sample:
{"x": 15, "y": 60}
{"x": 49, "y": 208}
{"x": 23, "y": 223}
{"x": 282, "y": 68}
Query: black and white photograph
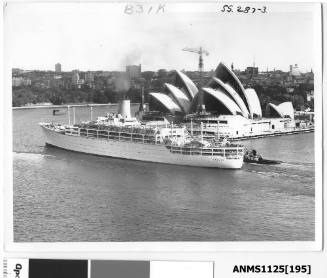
{"x": 164, "y": 122}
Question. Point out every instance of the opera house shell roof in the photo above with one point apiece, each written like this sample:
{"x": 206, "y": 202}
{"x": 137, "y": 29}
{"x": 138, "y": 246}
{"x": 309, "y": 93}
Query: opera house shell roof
{"x": 223, "y": 95}
{"x": 283, "y": 110}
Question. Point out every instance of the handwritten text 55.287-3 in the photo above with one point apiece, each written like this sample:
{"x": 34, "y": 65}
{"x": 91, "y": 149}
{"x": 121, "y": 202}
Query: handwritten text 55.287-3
{"x": 245, "y": 9}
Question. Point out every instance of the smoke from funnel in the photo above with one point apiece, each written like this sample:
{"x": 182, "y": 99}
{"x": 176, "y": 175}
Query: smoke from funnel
{"x": 134, "y": 57}
{"x": 122, "y": 83}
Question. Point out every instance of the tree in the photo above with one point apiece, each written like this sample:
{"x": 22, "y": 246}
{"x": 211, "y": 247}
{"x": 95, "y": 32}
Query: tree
{"x": 22, "y": 95}
{"x": 259, "y": 90}
{"x": 100, "y": 97}
{"x": 148, "y": 75}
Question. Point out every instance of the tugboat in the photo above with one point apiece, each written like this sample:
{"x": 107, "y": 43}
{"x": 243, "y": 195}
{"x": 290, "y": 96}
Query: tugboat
{"x": 56, "y": 112}
{"x": 252, "y": 156}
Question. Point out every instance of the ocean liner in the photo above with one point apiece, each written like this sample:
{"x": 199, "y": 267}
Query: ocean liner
{"x": 122, "y": 136}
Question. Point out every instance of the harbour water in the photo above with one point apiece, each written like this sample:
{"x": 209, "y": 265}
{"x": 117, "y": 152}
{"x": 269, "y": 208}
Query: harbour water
{"x": 65, "y": 196}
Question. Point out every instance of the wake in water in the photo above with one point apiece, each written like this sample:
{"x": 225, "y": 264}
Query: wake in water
{"x": 290, "y": 169}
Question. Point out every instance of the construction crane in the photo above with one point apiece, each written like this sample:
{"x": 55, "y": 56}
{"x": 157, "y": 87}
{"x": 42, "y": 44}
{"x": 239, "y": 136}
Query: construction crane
{"x": 200, "y": 51}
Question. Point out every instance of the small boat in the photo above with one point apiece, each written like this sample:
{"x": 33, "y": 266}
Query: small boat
{"x": 252, "y": 156}
{"x": 264, "y": 161}
{"x": 56, "y": 112}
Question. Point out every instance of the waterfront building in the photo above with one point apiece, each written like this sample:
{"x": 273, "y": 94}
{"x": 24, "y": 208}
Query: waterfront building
{"x": 89, "y": 77}
{"x": 16, "y": 81}
{"x": 228, "y": 107}
{"x": 283, "y": 110}
{"x": 20, "y": 81}
{"x": 236, "y": 126}
{"x": 75, "y": 77}
{"x": 224, "y": 94}
{"x": 17, "y": 71}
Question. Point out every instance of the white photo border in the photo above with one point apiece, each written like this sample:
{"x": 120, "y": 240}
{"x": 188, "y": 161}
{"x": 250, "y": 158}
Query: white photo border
{"x": 62, "y": 247}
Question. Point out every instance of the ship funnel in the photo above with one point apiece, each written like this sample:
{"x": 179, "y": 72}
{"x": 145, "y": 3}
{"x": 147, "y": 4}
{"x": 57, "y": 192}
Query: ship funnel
{"x": 124, "y": 108}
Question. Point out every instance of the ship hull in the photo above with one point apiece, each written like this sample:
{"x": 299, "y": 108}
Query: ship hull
{"x": 135, "y": 151}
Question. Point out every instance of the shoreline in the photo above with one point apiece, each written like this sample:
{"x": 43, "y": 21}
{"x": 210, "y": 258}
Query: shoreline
{"x": 277, "y": 133}
{"x": 67, "y": 105}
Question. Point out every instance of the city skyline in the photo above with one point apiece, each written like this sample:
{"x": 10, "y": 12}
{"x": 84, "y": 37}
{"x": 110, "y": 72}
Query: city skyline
{"x": 53, "y": 69}
{"x": 109, "y": 40}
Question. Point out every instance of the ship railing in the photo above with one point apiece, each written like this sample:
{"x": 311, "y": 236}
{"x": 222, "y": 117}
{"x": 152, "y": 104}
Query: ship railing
{"x": 115, "y": 135}
{"x": 72, "y": 130}
{"x": 227, "y": 152}
{"x": 128, "y": 129}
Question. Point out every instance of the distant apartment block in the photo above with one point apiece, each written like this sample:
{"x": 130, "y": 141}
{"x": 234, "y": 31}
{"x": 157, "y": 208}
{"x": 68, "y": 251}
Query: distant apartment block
{"x": 252, "y": 70}
{"x": 17, "y": 71}
{"x": 133, "y": 71}
{"x": 294, "y": 70}
{"x": 58, "y": 67}
{"x": 75, "y": 77}
{"x": 21, "y": 81}
{"x": 89, "y": 77}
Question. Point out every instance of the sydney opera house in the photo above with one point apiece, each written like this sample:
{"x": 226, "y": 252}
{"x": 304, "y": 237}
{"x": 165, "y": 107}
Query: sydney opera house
{"x": 232, "y": 110}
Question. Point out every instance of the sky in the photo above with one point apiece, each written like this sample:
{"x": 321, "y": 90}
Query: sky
{"x": 101, "y": 36}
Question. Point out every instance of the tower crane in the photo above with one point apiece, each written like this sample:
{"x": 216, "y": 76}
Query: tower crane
{"x": 200, "y": 51}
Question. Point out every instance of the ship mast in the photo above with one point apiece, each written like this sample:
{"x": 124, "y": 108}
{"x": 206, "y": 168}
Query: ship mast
{"x": 73, "y": 115}
{"x": 68, "y": 112}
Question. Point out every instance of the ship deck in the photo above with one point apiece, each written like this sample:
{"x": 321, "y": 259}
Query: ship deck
{"x": 150, "y": 137}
